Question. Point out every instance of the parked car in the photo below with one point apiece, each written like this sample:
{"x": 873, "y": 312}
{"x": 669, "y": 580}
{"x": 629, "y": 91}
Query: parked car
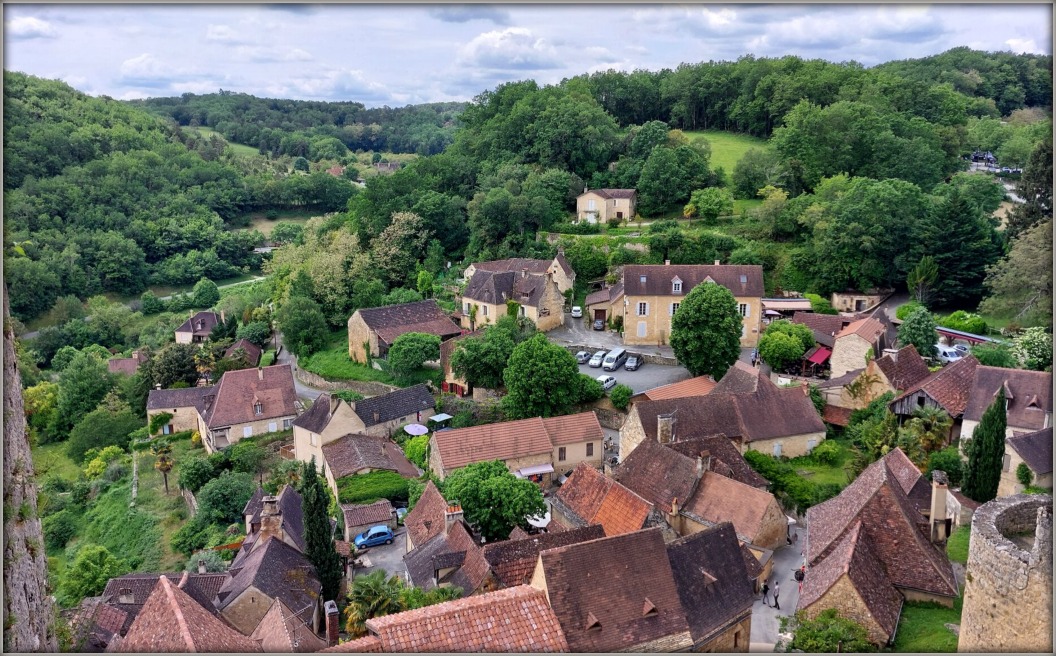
{"x": 374, "y": 536}
{"x": 577, "y": 312}
{"x": 607, "y": 382}
{"x": 633, "y": 362}
{"x": 947, "y": 354}
{"x": 599, "y": 324}
{"x": 564, "y": 477}
{"x": 598, "y": 358}
{"x": 582, "y": 357}
{"x": 963, "y": 349}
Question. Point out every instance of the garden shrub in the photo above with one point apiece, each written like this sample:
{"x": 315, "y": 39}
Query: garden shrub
{"x": 791, "y": 489}
{"x": 826, "y": 453}
{"x": 965, "y": 322}
{"x": 947, "y": 460}
{"x": 621, "y": 396}
{"x": 195, "y": 472}
{"x": 59, "y": 529}
{"x": 415, "y": 449}
{"x": 906, "y": 309}
{"x": 368, "y": 488}
{"x": 115, "y": 471}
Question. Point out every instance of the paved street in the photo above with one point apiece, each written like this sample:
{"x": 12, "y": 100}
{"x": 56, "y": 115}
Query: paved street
{"x": 309, "y": 394}
{"x": 765, "y": 626}
{"x": 388, "y": 557}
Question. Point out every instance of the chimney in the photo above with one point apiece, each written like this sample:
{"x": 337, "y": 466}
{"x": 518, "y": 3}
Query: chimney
{"x": 201, "y": 566}
{"x": 892, "y": 353}
{"x": 333, "y": 622}
{"x": 665, "y": 428}
{"x": 524, "y": 273}
{"x": 451, "y": 515}
{"x": 222, "y": 317}
{"x": 333, "y": 403}
{"x": 716, "y": 262}
{"x": 157, "y": 386}
{"x": 667, "y": 262}
{"x": 703, "y": 463}
{"x": 125, "y": 596}
{"x": 135, "y": 355}
{"x": 377, "y": 417}
{"x": 270, "y": 521}
{"x": 937, "y": 516}
{"x": 260, "y": 373}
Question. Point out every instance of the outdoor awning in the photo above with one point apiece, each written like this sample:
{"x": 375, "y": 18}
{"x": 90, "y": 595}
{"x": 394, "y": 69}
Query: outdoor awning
{"x": 820, "y": 356}
{"x": 440, "y": 417}
{"x": 525, "y": 472}
{"x": 772, "y": 313}
{"x": 541, "y": 522}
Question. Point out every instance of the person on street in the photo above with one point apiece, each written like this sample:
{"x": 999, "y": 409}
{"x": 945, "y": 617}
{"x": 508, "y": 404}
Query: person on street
{"x": 777, "y": 591}
{"x": 766, "y": 591}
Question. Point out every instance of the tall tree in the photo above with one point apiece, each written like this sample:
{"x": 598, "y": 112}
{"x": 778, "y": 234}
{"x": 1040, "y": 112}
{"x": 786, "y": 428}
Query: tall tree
{"x": 410, "y": 351}
{"x": 318, "y": 537}
{"x": 919, "y": 330}
{"x": 963, "y": 242}
{"x": 1034, "y": 187}
{"x": 1020, "y": 284}
{"x": 82, "y": 385}
{"x": 371, "y": 595}
{"x": 162, "y": 451}
{"x": 493, "y": 499}
{"x": 542, "y": 380}
{"x": 706, "y": 331}
{"x": 986, "y": 452}
{"x": 921, "y": 279}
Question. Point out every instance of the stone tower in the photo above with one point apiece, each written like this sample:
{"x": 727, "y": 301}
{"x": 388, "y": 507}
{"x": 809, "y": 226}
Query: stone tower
{"x": 1008, "y": 586}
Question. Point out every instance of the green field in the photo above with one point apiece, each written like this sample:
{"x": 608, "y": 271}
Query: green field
{"x": 957, "y": 544}
{"x": 258, "y": 221}
{"x": 727, "y": 148}
{"x": 922, "y": 627}
{"x": 238, "y": 149}
{"x": 333, "y": 363}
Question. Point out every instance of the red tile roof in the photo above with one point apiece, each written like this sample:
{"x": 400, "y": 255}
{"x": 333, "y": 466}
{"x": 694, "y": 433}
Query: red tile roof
{"x": 904, "y": 369}
{"x": 351, "y": 454}
{"x": 239, "y": 391}
{"x": 837, "y": 416}
{"x": 513, "y": 561}
{"x": 596, "y": 499}
{"x": 720, "y": 499}
{"x": 372, "y": 513}
{"x": 825, "y": 326}
{"x": 949, "y": 386}
{"x": 391, "y": 321}
{"x": 658, "y": 474}
{"x": 698, "y": 386}
{"x": 1035, "y": 449}
{"x": 725, "y": 458}
{"x": 512, "y": 620}
{"x": 868, "y": 329}
{"x": 251, "y": 350}
{"x": 427, "y": 518}
{"x": 366, "y": 644}
{"x": 201, "y": 324}
{"x": 282, "y": 631}
{"x": 173, "y": 622}
{"x": 514, "y": 439}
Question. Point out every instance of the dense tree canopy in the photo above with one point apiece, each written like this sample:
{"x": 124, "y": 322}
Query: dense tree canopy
{"x": 493, "y": 499}
{"x": 706, "y": 331}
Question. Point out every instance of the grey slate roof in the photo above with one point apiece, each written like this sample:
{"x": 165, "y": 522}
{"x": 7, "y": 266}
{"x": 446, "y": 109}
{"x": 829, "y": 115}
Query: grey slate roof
{"x": 189, "y": 397}
{"x": 394, "y": 405}
{"x": 279, "y": 571}
{"x": 497, "y": 288}
{"x": 741, "y": 279}
{"x": 1035, "y": 449}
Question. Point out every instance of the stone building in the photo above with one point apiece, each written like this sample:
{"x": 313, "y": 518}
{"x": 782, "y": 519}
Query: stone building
{"x": 853, "y": 343}
{"x": 589, "y": 497}
{"x": 948, "y": 389}
{"x": 559, "y": 268}
{"x": 373, "y": 330}
{"x": 855, "y": 301}
{"x": 1008, "y": 581}
{"x": 600, "y": 205}
{"x": 197, "y": 328}
{"x": 1033, "y": 450}
{"x": 489, "y": 295}
{"x": 1028, "y": 399}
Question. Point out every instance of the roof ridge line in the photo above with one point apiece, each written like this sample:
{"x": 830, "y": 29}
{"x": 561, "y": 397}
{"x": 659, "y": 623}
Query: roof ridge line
{"x": 181, "y": 621}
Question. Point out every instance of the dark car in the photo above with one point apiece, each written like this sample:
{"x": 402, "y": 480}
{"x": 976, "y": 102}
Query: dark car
{"x": 633, "y": 362}
{"x": 599, "y": 324}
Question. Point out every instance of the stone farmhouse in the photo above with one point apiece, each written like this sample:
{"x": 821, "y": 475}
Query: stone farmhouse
{"x": 196, "y": 329}
{"x": 877, "y": 544}
{"x": 244, "y": 403}
{"x": 352, "y": 455}
{"x": 648, "y": 296}
{"x": 559, "y": 268}
{"x": 853, "y": 343}
{"x": 948, "y": 388}
{"x": 745, "y": 406}
{"x": 895, "y": 371}
{"x": 373, "y": 330}
{"x": 600, "y": 205}
{"x": 1033, "y": 450}
{"x": 330, "y": 418}
{"x": 451, "y": 557}
{"x": 488, "y": 295}
{"x": 531, "y": 448}
{"x": 1028, "y": 399}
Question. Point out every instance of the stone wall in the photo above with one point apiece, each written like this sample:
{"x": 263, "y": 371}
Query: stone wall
{"x": 843, "y": 597}
{"x": 364, "y": 387}
{"x": 1008, "y": 588}
{"x": 613, "y": 419}
{"x": 734, "y": 638}
{"x": 647, "y": 358}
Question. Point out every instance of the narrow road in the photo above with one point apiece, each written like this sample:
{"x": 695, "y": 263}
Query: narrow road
{"x": 286, "y": 357}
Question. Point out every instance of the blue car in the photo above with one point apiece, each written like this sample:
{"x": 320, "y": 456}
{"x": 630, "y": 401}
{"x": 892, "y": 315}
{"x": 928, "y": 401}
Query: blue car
{"x": 374, "y": 536}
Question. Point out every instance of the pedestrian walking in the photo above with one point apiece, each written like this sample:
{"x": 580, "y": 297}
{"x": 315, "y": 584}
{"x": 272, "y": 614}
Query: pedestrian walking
{"x": 777, "y": 591}
{"x": 766, "y": 591}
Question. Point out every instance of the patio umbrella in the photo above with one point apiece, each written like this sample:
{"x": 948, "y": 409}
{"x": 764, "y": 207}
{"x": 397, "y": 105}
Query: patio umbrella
{"x": 415, "y": 429}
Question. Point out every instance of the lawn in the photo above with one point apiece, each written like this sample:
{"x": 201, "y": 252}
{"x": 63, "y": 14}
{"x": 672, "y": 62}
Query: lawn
{"x": 823, "y": 474}
{"x": 957, "y": 544}
{"x": 259, "y": 221}
{"x": 727, "y": 148}
{"x": 922, "y": 627}
{"x": 333, "y": 363}
{"x": 239, "y": 149}
{"x": 51, "y": 460}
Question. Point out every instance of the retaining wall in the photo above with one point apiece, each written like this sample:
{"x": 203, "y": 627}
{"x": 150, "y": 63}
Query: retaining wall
{"x": 364, "y": 387}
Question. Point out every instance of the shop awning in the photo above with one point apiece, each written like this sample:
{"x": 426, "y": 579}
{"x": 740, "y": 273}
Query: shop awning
{"x": 820, "y": 356}
{"x": 525, "y": 472}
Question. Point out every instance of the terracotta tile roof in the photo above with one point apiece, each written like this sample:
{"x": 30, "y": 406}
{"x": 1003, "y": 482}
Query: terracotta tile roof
{"x": 141, "y": 586}
{"x": 837, "y": 416}
{"x": 343, "y": 548}
{"x": 744, "y": 280}
{"x": 200, "y": 324}
{"x": 612, "y": 193}
{"x": 868, "y": 329}
{"x": 173, "y": 622}
{"x": 364, "y": 645}
{"x": 513, "y": 561}
{"x": 278, "y": 571}
{"x": 658, "y": 474}
{"x": 596, "y": 499}
{"x": 607, "y": 295}
{"x": 317, "y": 417}
{"x": 698, "y": 386}
{"x": 840, "y": 381}
{"x": 350, "y": 454}
{"x": 427, "y": 518}
{"x": 95, "y": 623}
{"x": 720, "y": 499}
{"x": 893, "y": 525}
{"x": 456, "y": 548}
{"x": 825, "y": 326}
{"x": 741, "y": 378}
{"x": 614, "y": 593}
{"x": 517, "y": 533}
{"x": 239, "y": 391}
{"x": 252, "y": 351}
{"x": 1035, "y": 449}
{"x": 905, "y": 369}
{"x": 127, "y": 366}
{"x": 281, "y": 631}
{"x": 1029, "y": 395}
{"x": 391, "y": 321}
{"x": 379, "y": 512}
{"x": 511, "y": 620}
{"x": 188, "y": 397}
{"x": 396, "y": 404}
{"x": 949, "y": 386}
{"x": 711, "y": 579}
{"x": 851, "y": 556}
{"x": 725, "y": 458}
{"x": 514, "y": 439}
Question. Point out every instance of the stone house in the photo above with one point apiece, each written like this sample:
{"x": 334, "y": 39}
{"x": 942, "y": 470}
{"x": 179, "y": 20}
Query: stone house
{"x": 360, "y": 517}
{"x": 652, "y": 294}
{"x": 894, "y": 371}
{"x": 124, "y": 597}
{"x": 886, "y": 526}
{"x": 185, "y": 406}
{"x": 488, "y": 295}
{"x": 1035, "y": 451}
{"x": 589, "y": 497}
{"x": 1028, "y": 399}
{"x": 452, "y": 384}
{"x": 451, "y": 558}
{"x": 513, "y": 561}
{"x": 948, "y": 388}
{"x": 281, "y": 631}
{"x": 719, "y": 607}
{"x": 824, "y": 326}
{"x": 559, "y": 268}
{"x": 600, "y": 205}
{"x": 280, "y": 516}
{"x": 854, "y": 343}
{"x": 330, "y": 418}
{"x": 429, "y": 517}
{"x": 196, "y": 329}
{"x": 532, "y": 448}
{"x": 604, "y": 304}
{"x": 127, "y": 366}
{"x": 855, "y": 301}
{"x": 616, "y": 593}
{"x": 373, "y": 330}
{"x": 251, "y": 350}
{"x": 352, "y": 455}
{"x": 745, "y": 406}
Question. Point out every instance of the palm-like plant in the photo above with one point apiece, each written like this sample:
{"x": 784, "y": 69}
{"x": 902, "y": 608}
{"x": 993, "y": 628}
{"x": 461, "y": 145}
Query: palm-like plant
{"x": 931, "y": 425}
{"x": 162, "y": 451}
{"x": 371, "y": 595}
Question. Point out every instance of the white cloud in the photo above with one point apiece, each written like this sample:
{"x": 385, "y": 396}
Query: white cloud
{"x": 1025, "y": 46}
{"x": 271, "y": 54}
{"x": 342, "y": 84}
{"x": 146, "y": 70}
{"x": 515, "y": 48}
{"x": 29, "y": 27}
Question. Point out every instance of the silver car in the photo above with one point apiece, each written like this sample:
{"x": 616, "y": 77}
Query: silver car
{"x": 607, "y": 382}
{"x": 582, "y": 357}
{"x": 597, "y": 359}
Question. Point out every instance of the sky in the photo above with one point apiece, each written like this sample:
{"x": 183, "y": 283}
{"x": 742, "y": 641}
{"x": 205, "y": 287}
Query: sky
{"x": 404, "y": 54}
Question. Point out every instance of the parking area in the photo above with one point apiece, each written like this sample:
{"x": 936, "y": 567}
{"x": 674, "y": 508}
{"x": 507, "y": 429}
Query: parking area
{"x": 387, "y": 557}
{"x": 644, "y": 378}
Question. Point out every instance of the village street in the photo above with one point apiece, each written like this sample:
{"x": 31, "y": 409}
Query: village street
{"x": 765, "y": 622}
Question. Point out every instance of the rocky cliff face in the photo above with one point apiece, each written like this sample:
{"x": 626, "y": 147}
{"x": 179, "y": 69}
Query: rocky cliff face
{"x": 29, "y": 616}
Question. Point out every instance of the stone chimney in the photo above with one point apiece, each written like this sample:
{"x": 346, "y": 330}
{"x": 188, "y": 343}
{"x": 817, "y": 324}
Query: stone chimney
{"x": 157, "y": 386}
{"x": 665, "y": 428}
{"x": 260, "y": 373}
{"x": 717, "y": 262}
{"x": 333, "y": 622}
{"x": 223, "y": 317}
{"x": 937, "y": 517}
{"x": 125, "y": 596}
{"x": 377, "y": 417}
{"x": 667, "y": 262}
{"x": 892, "y": 353}
{"x": 201, "y": 566}
{"x": 452, "y": 514}
{"x": 270, "y": 521}
{"x": 524, "y": 273}
{"x": 135, "y": 355}
{"x": 703, "y": 463}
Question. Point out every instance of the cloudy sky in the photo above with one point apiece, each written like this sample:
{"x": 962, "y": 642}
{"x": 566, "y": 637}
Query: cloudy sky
{"x": 395, "y": 55}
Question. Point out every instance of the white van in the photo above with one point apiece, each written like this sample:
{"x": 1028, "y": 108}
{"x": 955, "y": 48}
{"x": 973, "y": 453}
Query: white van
{"x": 615, "y": 359}
{"x": 947, "y": 354}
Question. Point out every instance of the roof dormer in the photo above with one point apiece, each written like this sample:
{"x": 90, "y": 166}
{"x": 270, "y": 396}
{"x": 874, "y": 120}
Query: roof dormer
{"x": 676, "y": 285}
